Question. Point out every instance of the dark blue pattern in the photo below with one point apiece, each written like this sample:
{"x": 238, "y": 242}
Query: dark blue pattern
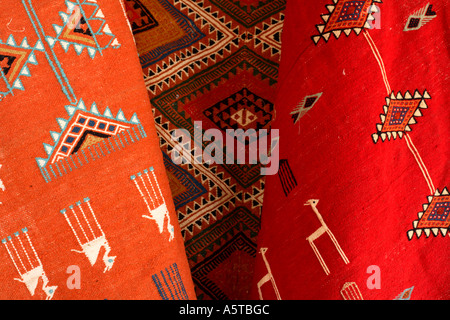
{"x": 169, "y": 284}
{"x": 193, "y": 34}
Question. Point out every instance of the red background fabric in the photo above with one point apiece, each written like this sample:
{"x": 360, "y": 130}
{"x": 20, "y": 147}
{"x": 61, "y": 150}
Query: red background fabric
{"x": 369, "y": 193}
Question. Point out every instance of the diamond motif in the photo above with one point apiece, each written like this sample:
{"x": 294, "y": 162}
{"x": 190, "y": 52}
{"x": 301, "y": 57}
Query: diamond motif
{"x": 139, "y": 16}
{"x": 399, "y": 114}
{"x": 240, "y": 110}
{"x": 435, "y": 216}
{"x": 420, "y": 18}
{"x": 345, "y": 15}
{"x": 304, "y": 106}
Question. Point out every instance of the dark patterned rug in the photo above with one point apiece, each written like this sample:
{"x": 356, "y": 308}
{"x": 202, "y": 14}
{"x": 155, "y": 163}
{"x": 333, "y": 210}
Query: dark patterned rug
{"x": 215, "y": 62}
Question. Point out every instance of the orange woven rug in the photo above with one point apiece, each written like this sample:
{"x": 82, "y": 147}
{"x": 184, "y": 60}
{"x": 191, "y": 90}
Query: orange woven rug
{"x": 86, "y": 210}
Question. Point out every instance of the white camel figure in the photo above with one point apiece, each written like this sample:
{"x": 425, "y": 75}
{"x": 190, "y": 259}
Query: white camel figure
{"x": 92, "y": 248}
{"x": 31, "y": 279}
{"x": 92, "y": 244}
{"x": 267, "y": 277}
{"x": 320, "y": 231}
{"x": 159, "y": 215}
{"x": 32, "y": 271}
{"x": 154, "y": 200}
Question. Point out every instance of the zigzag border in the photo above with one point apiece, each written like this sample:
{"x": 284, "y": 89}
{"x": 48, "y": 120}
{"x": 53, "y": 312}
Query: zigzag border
{"x": 78, "y": 47}
{"x": 417, "y": 113}
{"x": 25, "y": 71}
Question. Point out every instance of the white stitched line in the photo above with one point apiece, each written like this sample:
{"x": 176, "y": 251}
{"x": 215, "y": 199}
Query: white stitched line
{"x": 379, "y": 60}
{"x": 419, "y": 161}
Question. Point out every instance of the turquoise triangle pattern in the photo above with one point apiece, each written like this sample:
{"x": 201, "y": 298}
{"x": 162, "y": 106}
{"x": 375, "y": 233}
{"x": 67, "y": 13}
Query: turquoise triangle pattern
{"x": 96, "y": 16}
{"x": 43, "y": 163}
{"x": 16, "y": 83}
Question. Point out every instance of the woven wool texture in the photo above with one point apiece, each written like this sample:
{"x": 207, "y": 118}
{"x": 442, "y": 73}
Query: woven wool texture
{"x": 83, "y": 185}
{"x": 215, "y": 62}
{"x": 359, "y": 208}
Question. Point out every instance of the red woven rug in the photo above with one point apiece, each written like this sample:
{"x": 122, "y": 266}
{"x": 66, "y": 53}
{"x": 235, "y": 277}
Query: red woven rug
{"x": 360, "y": 206}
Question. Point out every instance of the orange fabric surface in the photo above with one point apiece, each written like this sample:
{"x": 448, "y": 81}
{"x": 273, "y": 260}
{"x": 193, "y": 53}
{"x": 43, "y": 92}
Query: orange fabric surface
{"x": 106, "y": 174}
